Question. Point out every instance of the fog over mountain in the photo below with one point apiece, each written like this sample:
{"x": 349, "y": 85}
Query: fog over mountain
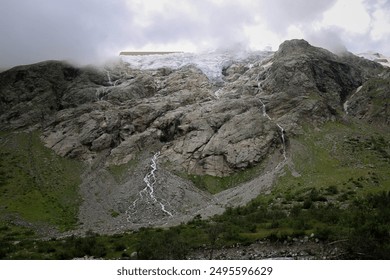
{"x": 93, "y": 31}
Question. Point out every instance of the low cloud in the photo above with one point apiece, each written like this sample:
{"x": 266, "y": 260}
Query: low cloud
{"x": 90, "y": 31}
{"x": 328, "y": 38}
{"x": 280, "y": 14}
{"x": 81, "y": 31}
{"x": 204, "y": 23}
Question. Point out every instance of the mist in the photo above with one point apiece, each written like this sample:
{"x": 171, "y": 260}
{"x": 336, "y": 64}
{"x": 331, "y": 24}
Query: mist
{"x": 327, "y": 38}
{"x": 92, "y": 31}
{"x": 79, "y": 31}
{"x": 280, "y": 14}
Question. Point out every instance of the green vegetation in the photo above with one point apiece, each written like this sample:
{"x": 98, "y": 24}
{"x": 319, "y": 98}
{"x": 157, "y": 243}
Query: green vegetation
{"x": 114, "y": 213}
{"x": 215, "y": 184}
{"x": 377, "y": 91}
{"x": 120, "y": 172}
{"x": 363, "y": 227}
{"x": 36, "y": 185}
{"x": 338, "y": 160}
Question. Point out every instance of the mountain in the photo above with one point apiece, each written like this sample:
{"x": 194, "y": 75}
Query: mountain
{"x": 159, "y": 140}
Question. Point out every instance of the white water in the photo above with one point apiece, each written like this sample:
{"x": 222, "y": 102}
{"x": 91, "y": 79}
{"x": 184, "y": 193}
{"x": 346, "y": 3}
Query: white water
{"x": 210, "y": 63}
{"x": 109, "y": 78}
{"x": 346, "y": 103}
{"x": 146, "y": 195}
{"x": 103, "y": 90}
{"x": 150, "y": 178}
{"x": 282, "y": 131}
{"x": 264, "y": 109}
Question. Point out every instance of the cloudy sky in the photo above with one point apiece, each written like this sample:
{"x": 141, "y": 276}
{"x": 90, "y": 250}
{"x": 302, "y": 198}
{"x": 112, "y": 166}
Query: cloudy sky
{"x": 88, "y": 31}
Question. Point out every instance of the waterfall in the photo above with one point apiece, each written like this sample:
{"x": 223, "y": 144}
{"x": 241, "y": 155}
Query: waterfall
{"x": 102, "y": 91}
{"x": 147, "y": 194}
{"x": 283, "y": 140}
{"x": 150, "y": 180}
{"x": 264, "y": 109}
{"x": 346, "y": 103}
{"x": 109, "y": 77}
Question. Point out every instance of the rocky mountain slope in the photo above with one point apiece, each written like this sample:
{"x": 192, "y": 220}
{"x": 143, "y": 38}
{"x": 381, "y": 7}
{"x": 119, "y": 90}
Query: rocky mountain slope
{"x": 149, "y": 138}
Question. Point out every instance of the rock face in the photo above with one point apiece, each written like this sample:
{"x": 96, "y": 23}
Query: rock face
{"x": 111, "y": 116}
{"x": 32, "y": 94}
{"x": 371, "y": 101}
{"x": 200, "y": 127}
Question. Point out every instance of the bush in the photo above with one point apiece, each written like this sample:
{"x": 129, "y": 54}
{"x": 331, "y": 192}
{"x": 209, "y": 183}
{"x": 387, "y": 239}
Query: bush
{"x": 324, "y": 233}
{"x": 120, "y": 247}
{"x": 5, "y": 249}
{"x": 295, "y": 211}
{"x": 316, "y": 196}
{"x": 308, "y": 203}
{"x": 332, "y": 190}
{"x": 161, "y": 245}
{"x": 369, "y": 220}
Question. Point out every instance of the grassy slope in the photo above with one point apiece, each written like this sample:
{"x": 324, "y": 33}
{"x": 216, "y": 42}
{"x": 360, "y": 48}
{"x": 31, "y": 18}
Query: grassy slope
{"x": 36, "y": 185}
{"x": 338, "y": 165}
{"x": 338, "y": 160}
{"x": 215, "y": 184}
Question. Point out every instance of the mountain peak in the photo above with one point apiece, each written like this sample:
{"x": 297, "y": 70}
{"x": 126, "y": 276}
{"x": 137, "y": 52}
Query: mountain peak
{"x": 294, "y": 44}
{"x": 299, "y": 47}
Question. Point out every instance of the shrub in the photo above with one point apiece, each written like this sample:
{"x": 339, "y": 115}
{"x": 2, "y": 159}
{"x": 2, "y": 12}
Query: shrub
{"x": 369, "y": 220}
{"x": 307, "y": 203}
{"x": 332, "y": 189}
{"x": 323, "y": 233}
{"x": 160, "y": 245}
{"x": 295, "y": 211}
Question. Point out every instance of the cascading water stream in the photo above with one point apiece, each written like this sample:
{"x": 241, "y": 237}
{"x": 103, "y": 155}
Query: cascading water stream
{"x": 346, "y": 103}
{"x": 278, "y": 125}
{"x": 109, "y": 78}
{"x": 150, "y": 178}
{"x": 282, "y": 131}
{"x": 147, "y": 193}
{"x": 264, "y": 109}
{"x": 103, "y": 90}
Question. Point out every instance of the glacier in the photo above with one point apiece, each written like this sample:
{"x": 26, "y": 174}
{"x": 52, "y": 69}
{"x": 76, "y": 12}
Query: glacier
{"x": 210, "y": 63}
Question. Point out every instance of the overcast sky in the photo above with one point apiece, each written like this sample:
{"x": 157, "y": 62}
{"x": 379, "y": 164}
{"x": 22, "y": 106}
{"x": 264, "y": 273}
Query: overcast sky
{"x": 89, "y": 31}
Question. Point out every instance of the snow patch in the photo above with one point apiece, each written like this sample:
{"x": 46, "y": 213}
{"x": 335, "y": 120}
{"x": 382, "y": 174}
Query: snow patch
{"x": 377, "y": 57}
